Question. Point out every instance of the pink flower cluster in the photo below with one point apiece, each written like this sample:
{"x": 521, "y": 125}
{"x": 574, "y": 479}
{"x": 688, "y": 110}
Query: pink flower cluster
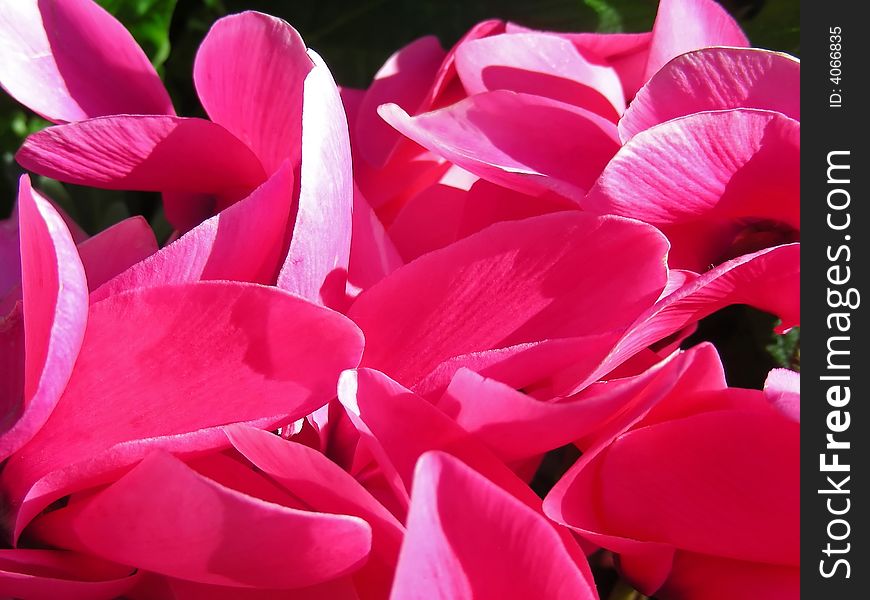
{"x": 382, "y": 308}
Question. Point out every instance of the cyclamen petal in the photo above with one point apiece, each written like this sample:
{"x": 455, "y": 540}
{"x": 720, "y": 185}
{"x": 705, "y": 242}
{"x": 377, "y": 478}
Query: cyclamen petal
{"x": 541, "y": 64}
{"x": 685, "y": 25}
{"x": 241, "y": 243}
{"x": 52, "y": 574}
{"x": 467, "y": 538}
{"x": 404, "y": 79}
{"x": 116, "y": 249}
{"x": 517, "y": 426}
{"x": 322, "y": 485}
{"x": 509, "y": 284}
{"x": 148, "y": 153}
{"x": 55, "y": 313}
{"x": 244, "y": 63}
{"x": 70, "y": 60}
{"x": 195, "y": 528}
{"x": 782, "y": 388}
{"x": 317, "y": 260}
{"x": 716, "y": 79}
{"x": 234, "y": 352}
{"x": 730, "y": 164}
{"x": 527, "y": 143}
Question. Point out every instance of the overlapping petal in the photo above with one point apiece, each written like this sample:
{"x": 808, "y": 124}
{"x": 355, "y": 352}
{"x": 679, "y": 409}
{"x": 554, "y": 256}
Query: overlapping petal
{"x": 167, "y": 518}
{"x": 70, "y": 60}
{"x": 234, "y": 352}
{"x": 524, "y": 142}
{"x": 55, "y": 300}
{"x": 467, "y": 538}
{"x": 244, "y": 63}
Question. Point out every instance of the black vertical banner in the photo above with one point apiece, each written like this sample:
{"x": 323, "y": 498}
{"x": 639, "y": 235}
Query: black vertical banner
{"x": 835, "y": 419}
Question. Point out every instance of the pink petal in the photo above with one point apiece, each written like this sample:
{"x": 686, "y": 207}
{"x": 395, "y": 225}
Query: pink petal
{"x": 147, "y": 153}
{"x": 540, "y": 64}
{"x": 164, "y": 517}
{"x": 701, "y": 577}
{"x": 233, "y": 352}
{"x": 446, "y": 83}
{"x": 52, "y": 574}
{"x": 55, "y": 312}
{"x": 685, "y": 25}
{"x": 716, "y": 79}
{"x": 242, "y": 243}
{"x": 116, "y": 249}
{"x": 70, "y": 60}
{"x": 514, "y": 282}
{"x": 244, "y": 64}
{"x": 405, "y": 79}
{"x": 731, "y": 164}
{"x": 182, "y": 589}
{"x": 467, "y": 538}
{"x": 517, "y": 426}
{"x": 689, "y": 503}
{"x": 373, "y": 255}
{"x": 523, "y": 142}
{"x": 451, "y": 214}
{"x": 768, "y": 280}
{"x": 317, "y": 261}
{"x": 322, "y": 485}
{"x": 627, "y": 53}
{"x": 411, "y": 170}
{"x": 782, "y": 388}
{"x": 10, "y": 256}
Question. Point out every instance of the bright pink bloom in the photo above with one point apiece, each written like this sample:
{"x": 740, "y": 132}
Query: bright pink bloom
{"x": 711, "y": 155}
{"x": 684, "y": 526}
{"x": 201, "y": 166}
{"x": 467, "y": 538}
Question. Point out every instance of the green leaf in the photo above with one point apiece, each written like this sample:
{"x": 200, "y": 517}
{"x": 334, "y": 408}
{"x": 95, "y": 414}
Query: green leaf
{"x": 786, "y": 349}
{"x": 609, "y": 19}
{"x": 148, "y": 21}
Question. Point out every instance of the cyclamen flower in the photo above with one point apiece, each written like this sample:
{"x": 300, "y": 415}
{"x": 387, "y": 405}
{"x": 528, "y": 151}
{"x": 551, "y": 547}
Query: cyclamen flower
{"x": 682, "y": 528}
{"x": 417, "y": 371}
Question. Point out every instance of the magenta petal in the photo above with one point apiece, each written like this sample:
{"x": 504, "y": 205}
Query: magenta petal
{"x": 679, "y": 501}
{"x": 768, "y": 280}
{"x": 233, "y": 352}
{"x": 514, "y": 282}
{"x": 451, "y": 214}
{"x": 70, "y": 60}
{"x": 200, "y": 530}
{"x": 325, "y": 487}
{"x": 702, "y": 577}
{"x": 147, "y": 153}
{"x": 627, "y": 53}
{"x": 53, "y": 574}
{"x": 317, "y": 261}
{"x": 782, "y": 388}
{"x": 373, "y": 255}
{"x": 55, "y": 305}
{"x": 244, "y": 64}
{"x": 523, "y": 142}
{"x": 242, "y": 243}
{"x": 716, "y": 79}
{"x": 184, "y": 589}
{"x": 517, "y": 426}
{"x": 467, "y": 538}
{"x": 405, "y": 79}
{"x": 116, "y": 249}
{"x": 739, "y": 163}
{"x": 10, "y": 257}
{"x": 685, "y": 25}
{"x": 540, "y": 64}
